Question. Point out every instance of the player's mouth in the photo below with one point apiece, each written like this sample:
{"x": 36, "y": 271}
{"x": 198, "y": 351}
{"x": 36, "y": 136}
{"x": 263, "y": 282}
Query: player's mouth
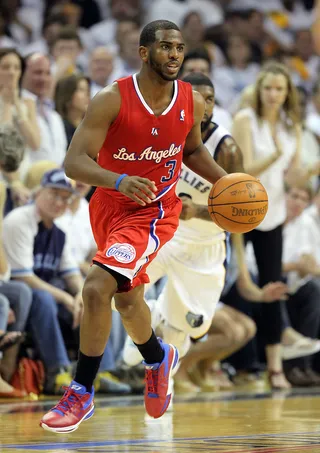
{"x": 173, "y": 67}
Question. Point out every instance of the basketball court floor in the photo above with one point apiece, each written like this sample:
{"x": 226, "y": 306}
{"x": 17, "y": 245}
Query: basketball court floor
{"x": 228, "y": 422}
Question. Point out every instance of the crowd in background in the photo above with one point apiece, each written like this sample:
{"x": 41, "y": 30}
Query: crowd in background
{"x": 54, "y": 57}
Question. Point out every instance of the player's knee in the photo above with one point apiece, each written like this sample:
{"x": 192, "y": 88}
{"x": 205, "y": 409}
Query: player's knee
{"x": 96, "y": 295}
{"x": 124, "y": 305}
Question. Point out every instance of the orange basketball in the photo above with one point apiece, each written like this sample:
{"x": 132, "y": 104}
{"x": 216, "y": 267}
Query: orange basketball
{"x": 238, "y": 203}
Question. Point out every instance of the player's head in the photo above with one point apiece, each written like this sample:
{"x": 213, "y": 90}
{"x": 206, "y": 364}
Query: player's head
{"x": 162, "y": 48}
{"x": 204, "y": 86}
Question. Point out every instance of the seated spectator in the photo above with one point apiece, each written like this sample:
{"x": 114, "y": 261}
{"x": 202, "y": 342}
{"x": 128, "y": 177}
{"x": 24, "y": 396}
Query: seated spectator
{"x": 199, "y": 61}
{"x": 310, "y": 147}
{"x": 76, "y": 223}
{"x": 313, "y": 117}
{"x": 72, "y": 96}
{"x": 11, "y": 155}
{"x": 39, "y": 255}
{"x": 14, "y": 109}
{"x": 65, "y": 50}
{"x": 101, "y": 67}
{"x": 7, "y": 339}
{"x": 301, "y": 265}
{"x": 37, "y": 84}
{"x": 237, "y": 74}
{"x": 16, "y": 295}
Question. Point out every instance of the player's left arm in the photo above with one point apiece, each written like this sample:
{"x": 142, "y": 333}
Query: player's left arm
{"x": 195, "y": 154}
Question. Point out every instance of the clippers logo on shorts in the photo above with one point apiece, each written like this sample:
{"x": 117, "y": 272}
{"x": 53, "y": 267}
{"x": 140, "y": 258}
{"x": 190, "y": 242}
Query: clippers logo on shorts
{"x": 194, "y": 320}
{"x": 124, "y": 253}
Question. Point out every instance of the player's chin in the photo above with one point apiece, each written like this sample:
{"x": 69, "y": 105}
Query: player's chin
{"x": 170, "y": 75}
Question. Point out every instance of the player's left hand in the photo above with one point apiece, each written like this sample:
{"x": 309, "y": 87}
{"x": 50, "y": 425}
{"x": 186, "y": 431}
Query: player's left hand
{"x": 274, "y": 291}
{"x": 189, "y": 209}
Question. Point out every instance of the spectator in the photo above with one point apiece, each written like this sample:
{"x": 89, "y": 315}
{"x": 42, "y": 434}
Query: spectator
{"x": 76, "y": 223}
{"x": 101, "y": 67}
{"x": 313, "y": 118}
{"x": 199, "y": 61}
{"x": 239, "y": 72}
{"x": 120, "y": 10}
{"x": 50, "y": 30}
{"x": 37, "y": 84}
{"x": 270, "y": 143}
{"x": 39, "y": 255}
{"x": 129, "y": 59}
{"x": 302, "y": 266}
{"x": 13, "y": 109}
{"x": 66, "y": 48}
{"x": 310, "y": 148}
{"x": 72, "y": 96}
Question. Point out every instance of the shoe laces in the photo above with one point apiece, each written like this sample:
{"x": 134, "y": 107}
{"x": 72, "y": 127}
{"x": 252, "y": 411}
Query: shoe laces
{"x": 69, "y": 399}
{"x": 151, "y": 379}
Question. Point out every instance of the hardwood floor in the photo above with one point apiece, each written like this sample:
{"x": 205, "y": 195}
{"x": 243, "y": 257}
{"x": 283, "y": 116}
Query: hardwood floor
{"x": 226, "y": 422}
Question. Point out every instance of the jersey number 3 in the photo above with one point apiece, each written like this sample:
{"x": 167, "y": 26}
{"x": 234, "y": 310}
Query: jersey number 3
{"x": 171, "y": 164}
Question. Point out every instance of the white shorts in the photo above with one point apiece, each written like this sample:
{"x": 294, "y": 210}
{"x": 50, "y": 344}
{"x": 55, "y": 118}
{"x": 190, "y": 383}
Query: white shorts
{"x": 196, "y": 277}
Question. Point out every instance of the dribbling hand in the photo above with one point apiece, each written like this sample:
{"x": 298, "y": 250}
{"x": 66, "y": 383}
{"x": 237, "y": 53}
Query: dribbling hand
{"x": 140, "y": 190}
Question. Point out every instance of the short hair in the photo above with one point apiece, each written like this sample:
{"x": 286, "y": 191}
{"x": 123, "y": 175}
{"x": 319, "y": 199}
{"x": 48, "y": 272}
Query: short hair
{"x": 67, "y": 33}
{"x": 12, "y": 148}
{"x": 197, "y": 78}
{"x": 148, "y": 34}
{"x": 197, "y": 54}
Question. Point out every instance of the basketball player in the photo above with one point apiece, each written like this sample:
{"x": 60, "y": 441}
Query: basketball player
{"x": 140, "y": 129}
{"x": 194, "y": 260}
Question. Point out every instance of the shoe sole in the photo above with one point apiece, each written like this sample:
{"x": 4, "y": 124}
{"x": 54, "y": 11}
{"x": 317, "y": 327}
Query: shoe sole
{"x": 68, "y": 429}
{"x": 173, "y": 365}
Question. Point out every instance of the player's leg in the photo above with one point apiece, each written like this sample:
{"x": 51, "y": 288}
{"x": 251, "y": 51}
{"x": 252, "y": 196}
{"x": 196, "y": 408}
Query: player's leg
{"x": 77, "y": 402}
{"x": 160, "y": 358}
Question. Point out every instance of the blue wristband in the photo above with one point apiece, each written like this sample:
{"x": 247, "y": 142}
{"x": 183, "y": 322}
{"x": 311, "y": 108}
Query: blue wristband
{"x": 118, "y": 181}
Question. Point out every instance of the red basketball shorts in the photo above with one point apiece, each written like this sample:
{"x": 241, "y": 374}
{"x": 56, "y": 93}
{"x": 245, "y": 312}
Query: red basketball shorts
{"x": 127, "y": 238}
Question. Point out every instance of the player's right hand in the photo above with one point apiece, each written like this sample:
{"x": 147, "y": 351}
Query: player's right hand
{"x": 140, "y": 190}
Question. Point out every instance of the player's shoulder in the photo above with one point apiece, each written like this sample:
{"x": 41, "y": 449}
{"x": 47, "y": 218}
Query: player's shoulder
{"x": 220, "y": 130}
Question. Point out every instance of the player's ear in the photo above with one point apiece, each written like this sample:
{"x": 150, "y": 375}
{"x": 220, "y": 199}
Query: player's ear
{"x": 144, "y": 53}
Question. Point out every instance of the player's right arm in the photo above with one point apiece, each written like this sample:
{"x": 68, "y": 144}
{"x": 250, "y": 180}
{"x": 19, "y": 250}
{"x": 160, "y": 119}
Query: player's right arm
{"x": 87, "y": 142}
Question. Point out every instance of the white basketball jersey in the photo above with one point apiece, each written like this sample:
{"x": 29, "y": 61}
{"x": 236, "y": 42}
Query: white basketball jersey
{"x": 198, "y": 230}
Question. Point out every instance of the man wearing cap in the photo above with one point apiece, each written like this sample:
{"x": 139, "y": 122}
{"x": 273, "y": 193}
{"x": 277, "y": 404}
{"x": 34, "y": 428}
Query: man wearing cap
{"x": 39, "y": 254}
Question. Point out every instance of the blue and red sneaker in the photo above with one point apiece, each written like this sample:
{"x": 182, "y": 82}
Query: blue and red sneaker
{"x": 75, "y": 406}
{"x": 158, "y": 390}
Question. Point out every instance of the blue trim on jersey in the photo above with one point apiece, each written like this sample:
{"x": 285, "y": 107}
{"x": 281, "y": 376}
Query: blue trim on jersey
{"x": 218, "y": 148}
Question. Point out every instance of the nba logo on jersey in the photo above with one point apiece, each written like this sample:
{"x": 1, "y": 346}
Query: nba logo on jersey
{"x": 154, "y": 131}
{"x": 182, "y": 115}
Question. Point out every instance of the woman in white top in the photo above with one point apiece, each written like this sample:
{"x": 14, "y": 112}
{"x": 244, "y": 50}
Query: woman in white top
{"x": 17, "y": 112}
{"x": 269, "y": 135}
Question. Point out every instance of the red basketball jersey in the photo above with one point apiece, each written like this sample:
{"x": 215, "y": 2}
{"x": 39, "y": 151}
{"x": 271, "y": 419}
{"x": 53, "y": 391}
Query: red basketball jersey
{"x": 139, "y": 143}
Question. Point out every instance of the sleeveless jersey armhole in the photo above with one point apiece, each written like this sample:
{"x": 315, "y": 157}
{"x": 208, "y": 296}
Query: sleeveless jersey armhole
{"x": 122, "y": 90}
